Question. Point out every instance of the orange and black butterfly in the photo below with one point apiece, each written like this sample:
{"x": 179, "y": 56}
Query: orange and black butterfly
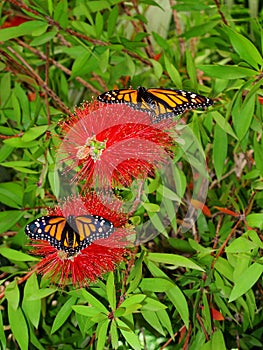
{"x": 159, "y": 103}
{"x": 70, "y": 234}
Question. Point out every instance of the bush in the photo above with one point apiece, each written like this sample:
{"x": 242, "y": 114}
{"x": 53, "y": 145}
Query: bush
{"x": 193, "y": 280}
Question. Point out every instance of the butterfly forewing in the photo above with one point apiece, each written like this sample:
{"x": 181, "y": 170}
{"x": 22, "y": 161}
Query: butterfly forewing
{"x": 119, "y": 96}
{"x": 72, "y": 234}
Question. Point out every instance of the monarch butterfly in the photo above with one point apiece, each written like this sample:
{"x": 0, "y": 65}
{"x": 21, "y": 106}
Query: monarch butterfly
{"x": 159, "y": 103}
{"x": 70, "y": 234}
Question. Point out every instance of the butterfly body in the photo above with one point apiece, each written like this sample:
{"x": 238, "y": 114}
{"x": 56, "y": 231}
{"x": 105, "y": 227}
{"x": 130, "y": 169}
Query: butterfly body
{"x": 159, "y": 103}
{"x": 71, "y": 234}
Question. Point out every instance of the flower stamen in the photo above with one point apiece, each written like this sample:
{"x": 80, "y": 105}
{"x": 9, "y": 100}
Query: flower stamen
{"x": 92, "y": 148}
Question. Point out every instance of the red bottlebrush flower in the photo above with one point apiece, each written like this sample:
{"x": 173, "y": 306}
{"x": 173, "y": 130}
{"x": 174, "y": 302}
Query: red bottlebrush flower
{"x": 92, "y": 262}
{"x": 113, "y": 143}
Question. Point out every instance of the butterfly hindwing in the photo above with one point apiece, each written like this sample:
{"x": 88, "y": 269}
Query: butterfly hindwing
{"x": 159, "y": 103}
{"x": 70, "y": 234}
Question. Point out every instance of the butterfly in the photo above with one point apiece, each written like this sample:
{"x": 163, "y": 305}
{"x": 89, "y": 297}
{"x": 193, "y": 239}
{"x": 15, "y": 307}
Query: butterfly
{"x": 71, "y": 234}
{"x": 159, "y": 103}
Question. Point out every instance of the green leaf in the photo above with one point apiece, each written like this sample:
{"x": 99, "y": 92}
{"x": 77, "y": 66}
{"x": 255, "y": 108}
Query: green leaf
{"x": 220, "y": 144}
{"x": 17, "y": 142}
{"x": 246, "y": 281}
{"x": 191, "y": 70}
{"x": 94, "y": 301}
{"x": 23, "y": 102}
{"x": 165, "y": 321}
{"x": 32, "y": 308}
{"x": 122, "y": 312}
{"x": 11, "y": 194}
{"x": 150, "y": 304}
{"x": 111, "y": 291}
{"x": 5, "y": 84}
{"x": 173, "y": 259}
{"x": 245, "y": 48}
{"x": 16, "y": 255}
{"x": 50, "y": 7}
{"x": 173, "y": 73}
{"x": 255, "y": 220}
{"x": 88, "y": 311}
{"x": 129, "y": 335}
{"x": 254, "y": 237}
{"x": 25, "y": 170}
{"x": 41, "y": 293}
{"x": 34, "y": 133}
{"x": 2, "y": 333}
{"x": 157, "y": 223}
{"x": 206, "y": 313}
{"x": 16, "y": 108}
{"x": 114, "y": 335}
{"x": 157, "y": 68}
{"x": 258, "y": 154}
{"x": 18, "y": 326}
{"x": 178, "y": 299}
{"x": 83, "y": 27}
{"x": 167, "y": 193}
{"x": 224, "y": 267}
{"x": 54, "y": 181}
{"x": 101, "y": 334}
{"x": 17, "y": 163}
{"x": 163, "y": 285}
{"x": 103, "y": 62}
{"x": 151, "y": 207}
{"x": 95, "y": 6}
{"x": 35, "y": 340}
{"x": 34, "y": 28}
{"x": 200, "y": 30}
{"x": 80, "y": 65}
{"x": 5, "y": 151}
{"x": 12, "y": 294}
{"x": 98, "y": 24}
{"x": 61, "y": 13}
{"x": 135, "y": 275}
{"x": 240, "y": 245}
{"x": 133, "y": 299}
{"x": 217, "y": 341}
{"x": 111, "y": 23}
{"x": 63, "y": 314}
{"x": 226, "y": 72}
{"x": 44, "y": 38}
{"x": 223, "y": 123}
{"x": 153, "y": 321}
{"x": 9, "y": 218}
{"x": 242, "y": 113}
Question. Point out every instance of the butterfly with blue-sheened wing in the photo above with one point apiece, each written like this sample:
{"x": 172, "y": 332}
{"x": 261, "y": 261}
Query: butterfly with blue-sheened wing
{"x": 71, "y": 234}
{"x": 159, "y": 103}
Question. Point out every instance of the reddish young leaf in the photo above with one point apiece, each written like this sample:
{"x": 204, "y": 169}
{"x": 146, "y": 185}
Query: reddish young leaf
{"x": 199, "y": 205}
{"x": 14, "y": 22}
{"x": 216, "y": 315}
{"x": 157, "y": 56}
{"x": 227, "y": 211}
{"x": 182, "y": 334}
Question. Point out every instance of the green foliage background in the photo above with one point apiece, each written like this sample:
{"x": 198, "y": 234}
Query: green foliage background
{"x": 167, "y": 296}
